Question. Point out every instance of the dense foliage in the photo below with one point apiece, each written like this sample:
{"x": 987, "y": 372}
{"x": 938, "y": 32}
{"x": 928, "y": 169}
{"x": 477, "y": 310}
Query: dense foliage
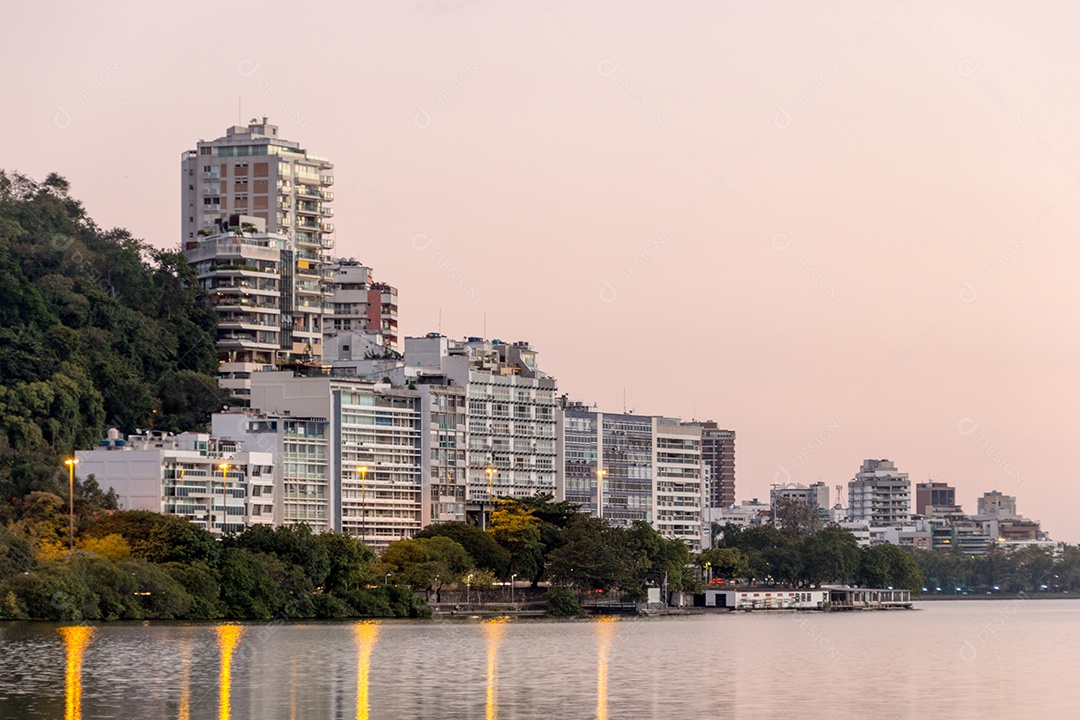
{"x": 133, "y": 565}
{"x": 798, "y": 555}
{"x": 97, "y": 329}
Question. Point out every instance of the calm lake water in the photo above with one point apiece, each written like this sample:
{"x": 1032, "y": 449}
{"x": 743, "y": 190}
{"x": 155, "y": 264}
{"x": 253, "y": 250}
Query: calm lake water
{"x": 971, "y": 659}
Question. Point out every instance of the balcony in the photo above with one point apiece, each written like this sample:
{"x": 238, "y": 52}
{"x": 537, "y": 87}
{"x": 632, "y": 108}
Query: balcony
{"x": 327, "y": 179}
{"x": 326, "y": 195}
{"x": 327, "y": 227}
{"x": 327, "y": 212}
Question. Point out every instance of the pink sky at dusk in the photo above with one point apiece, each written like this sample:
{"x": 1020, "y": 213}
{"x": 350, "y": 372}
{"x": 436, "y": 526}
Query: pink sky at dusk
{"x": 852, "y": 220}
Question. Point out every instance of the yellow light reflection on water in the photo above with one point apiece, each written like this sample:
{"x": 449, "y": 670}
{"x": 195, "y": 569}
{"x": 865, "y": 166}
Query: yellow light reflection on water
{"x": 493, "y": 634}
{"x": 228, "y": 637}
{"x": 366, "y": 634}
{"x": 76, "y": 638}
{"x": 605, "y": 633}
{"x": 185, "y": 681}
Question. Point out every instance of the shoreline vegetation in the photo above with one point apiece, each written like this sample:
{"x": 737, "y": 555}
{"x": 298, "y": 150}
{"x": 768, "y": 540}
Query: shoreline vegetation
{"x": 99, "y": 329}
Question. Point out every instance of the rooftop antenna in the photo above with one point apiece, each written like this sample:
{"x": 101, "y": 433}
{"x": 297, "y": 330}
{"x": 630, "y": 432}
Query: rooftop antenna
{"x": 239, "y": 114}
{"x": 440, "y": 321}
{"x": 485, "y": 325}
{"x": 624, "y": 401}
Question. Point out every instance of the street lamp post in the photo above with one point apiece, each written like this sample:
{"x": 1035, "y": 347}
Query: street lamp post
{"x": 600, "y": 473}
{"x": 71, "y": 462}
{"x": 512, "y": 576}
{"x": 491, "y": 490}
{"x": 362, "y": 469}
{"x": 224, "y": 468}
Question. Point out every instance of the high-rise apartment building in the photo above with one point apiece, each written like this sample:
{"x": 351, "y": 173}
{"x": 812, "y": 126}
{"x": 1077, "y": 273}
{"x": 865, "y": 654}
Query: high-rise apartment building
{"x": 253, "y": 171}
{"x": 998, "y": 504}
{"x": 608, "y": 454}
{"x": 359, "y": 304}
{"x": 718, "y": 454}
{"x": 510, "y": 415}
{"x": 252, "y": 182}
{"x": 816, "y": 496}
{"x": 374, "y": 441}
{"x": 625, "y": 468}
{"x": 299, "y": 447}
{"x": 879, "y": 494}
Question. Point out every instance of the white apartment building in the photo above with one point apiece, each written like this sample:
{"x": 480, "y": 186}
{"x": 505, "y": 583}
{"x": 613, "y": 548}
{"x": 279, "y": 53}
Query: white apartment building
{"x": 299, "y": 446}
{"x": 879, "y": 495}
{"x": 373, "y": 449}
{"x": 627, "y": 468}
{"x": 510, "y": 415}
{"x": 219, "y": 485}
{"x": 678, "y": 481}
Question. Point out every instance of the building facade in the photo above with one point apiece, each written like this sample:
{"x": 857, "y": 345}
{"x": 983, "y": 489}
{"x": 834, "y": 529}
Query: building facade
{"x": 251, "y": 178}
{"x": 879, "y": 494}
{"x": 217, "y": 484}
{"x": 359, "y": 304}
{"x": 373, "y": 450}
{"x": 718, "y": 454}
{"x": 933, "y": 495}
{"x": 510, "y": 415}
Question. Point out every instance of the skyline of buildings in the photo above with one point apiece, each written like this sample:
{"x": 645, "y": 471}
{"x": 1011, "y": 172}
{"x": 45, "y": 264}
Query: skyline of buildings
{"x": 453, "y": 424}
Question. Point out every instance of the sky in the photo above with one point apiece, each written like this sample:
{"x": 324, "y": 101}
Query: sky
{"x": 845, "y": 230}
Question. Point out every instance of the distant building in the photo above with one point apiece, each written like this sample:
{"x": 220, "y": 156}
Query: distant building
{"x": 998, "y": 505}
{"x": 816, "y": 496}
{"x": 718, "y": 454}
{"x": 879, "y": 495}
{"x": 216, "y": 484}
{"x": 934, "y": 494}
{"x": 357, "y": 303}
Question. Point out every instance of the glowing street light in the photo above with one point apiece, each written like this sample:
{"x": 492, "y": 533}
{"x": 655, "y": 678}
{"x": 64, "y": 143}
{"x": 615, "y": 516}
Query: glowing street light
{"x": 71, "y": 462}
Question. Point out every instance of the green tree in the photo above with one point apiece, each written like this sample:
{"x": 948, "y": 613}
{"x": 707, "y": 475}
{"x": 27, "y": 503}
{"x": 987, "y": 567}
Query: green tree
{"x": 427, "y": 563}
{"x": 830, "y": 555}
{"x": 517, "y": 530}
{"x": 889, "y": 566}
{"x": 725, "y": 562}
{"x": 481, "y": 546}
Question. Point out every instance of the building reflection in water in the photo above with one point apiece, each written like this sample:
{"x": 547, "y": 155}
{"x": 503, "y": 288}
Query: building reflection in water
{"x": 76, "y": 638}
{"x": 493, "y": 634}
{"x": 366, "y": 634}
{"x": 605, "y": 634}
{"x": 185, "y": 680}
{"x": 228, "y": 637}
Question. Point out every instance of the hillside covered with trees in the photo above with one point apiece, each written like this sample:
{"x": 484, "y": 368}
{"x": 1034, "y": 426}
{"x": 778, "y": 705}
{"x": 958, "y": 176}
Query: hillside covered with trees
{"x": 97, "y": 329}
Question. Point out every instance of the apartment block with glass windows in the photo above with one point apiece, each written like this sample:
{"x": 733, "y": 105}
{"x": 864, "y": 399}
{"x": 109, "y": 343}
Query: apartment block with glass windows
{"x": 359, "y": 304}
{"x": 299, "y": 448}
{"x": 220, "y": 485}
{"x": 373, "y": 448}
{"x": 251, "y": 171}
